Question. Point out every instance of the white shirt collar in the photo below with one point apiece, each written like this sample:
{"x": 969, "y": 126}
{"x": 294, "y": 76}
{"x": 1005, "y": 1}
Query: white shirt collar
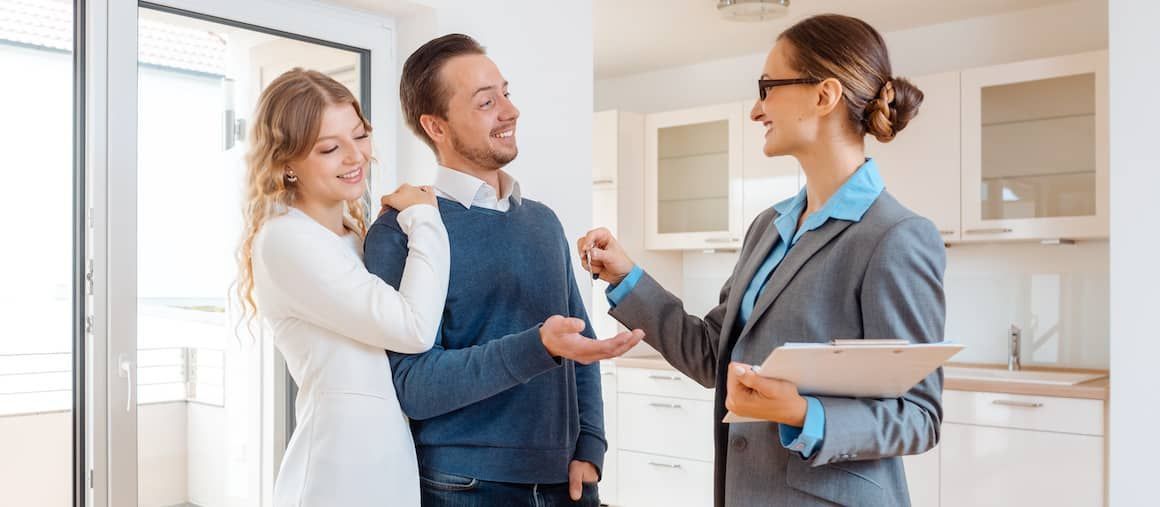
{"x": 471, "y": 191}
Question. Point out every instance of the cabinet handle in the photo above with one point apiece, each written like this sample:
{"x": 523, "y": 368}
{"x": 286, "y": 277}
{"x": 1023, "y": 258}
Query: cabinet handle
{"x": 665, "y": 465}
{"x": 722, "y": 240}
{"x": 664, "y": 405}
{"x": 997, "y": 230}
{"x": 607, "y": 373}
{"x": 664, "y": 377}
{"x": 602, "y": 182}
{"x": 1021, "y": 404}
{"x": 945, "y": 232}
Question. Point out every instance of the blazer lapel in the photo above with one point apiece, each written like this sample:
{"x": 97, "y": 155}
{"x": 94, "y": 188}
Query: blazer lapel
{"x": 749, "y": 267}
{"x": 802, "y": 252}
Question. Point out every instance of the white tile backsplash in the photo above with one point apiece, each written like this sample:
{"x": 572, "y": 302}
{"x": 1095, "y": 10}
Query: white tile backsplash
{"x": 1057, "y": 294}
{"x": 705, "y": 273}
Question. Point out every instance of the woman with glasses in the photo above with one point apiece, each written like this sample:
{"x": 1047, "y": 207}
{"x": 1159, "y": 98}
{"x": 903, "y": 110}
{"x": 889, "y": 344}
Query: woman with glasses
{"x": 841, "y": 259}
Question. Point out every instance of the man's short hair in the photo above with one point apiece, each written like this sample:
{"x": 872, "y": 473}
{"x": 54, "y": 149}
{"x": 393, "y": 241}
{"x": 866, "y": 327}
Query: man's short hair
{"x": 421, "y": 90}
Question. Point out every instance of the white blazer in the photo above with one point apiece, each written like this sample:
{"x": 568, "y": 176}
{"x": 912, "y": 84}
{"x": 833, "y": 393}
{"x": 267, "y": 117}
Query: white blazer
{"x": 332, "y": 320}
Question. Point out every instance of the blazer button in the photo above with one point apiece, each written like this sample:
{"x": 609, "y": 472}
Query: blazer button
{"x": 740, "y": 443}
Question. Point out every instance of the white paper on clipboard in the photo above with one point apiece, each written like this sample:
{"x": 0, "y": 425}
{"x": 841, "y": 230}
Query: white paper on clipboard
{"x": 873, "y": 369}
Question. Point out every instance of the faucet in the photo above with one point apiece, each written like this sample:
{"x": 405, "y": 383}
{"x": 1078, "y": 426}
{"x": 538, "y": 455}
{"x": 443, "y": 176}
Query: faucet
{"x": 1013, "y": 360}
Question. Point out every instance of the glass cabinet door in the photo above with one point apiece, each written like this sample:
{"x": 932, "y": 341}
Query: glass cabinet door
{"x": 1039, "y": 149}
{"x": 693, "y": 180}
{"x": 1035, "y": 149}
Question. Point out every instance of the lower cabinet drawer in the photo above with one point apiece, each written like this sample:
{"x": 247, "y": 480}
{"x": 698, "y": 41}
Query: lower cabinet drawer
{"x": 665, "y": 426}
{"x": 1040, "y": 413}
{"x": 670, "y": 383}
{"x": 649, "y": 480}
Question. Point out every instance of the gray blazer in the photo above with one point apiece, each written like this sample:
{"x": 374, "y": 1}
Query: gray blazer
{"x": 881, "y": 277}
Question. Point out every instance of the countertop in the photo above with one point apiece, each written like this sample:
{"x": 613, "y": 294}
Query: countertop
{"x": 1093, "y": 390}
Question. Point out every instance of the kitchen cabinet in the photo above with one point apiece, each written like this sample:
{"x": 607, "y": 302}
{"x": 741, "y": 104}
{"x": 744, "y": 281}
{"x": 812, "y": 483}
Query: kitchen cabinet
{"x": 1035, "y": 149}
{"x": 693, "y": 179}
{"x": 920, "y": 167}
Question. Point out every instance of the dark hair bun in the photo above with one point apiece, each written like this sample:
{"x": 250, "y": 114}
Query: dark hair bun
{"x": 897, "y": 103}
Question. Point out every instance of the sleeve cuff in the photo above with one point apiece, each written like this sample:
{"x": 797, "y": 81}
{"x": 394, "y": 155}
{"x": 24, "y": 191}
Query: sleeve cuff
{"x": 591, "y": 448}
{"x": 617, "y": 293}
{"x": 416, "y": 215}
{"x": 807, "y": 439}
{"x": 525, "y": 356}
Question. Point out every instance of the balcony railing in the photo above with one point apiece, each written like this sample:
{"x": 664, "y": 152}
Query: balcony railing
{"x": 33, "y": 383}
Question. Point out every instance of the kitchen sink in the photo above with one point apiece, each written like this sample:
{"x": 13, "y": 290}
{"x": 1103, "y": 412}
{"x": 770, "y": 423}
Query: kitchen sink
{"x": 1035, "y": 377}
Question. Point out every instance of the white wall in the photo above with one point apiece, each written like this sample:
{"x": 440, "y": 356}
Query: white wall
{"x": 1135, "y": 401}
{"x": 36, "y": 462}
{"x": 1048, "y": 31}
{"x": 162, "y": 462}
{"x": 544, "y": 49}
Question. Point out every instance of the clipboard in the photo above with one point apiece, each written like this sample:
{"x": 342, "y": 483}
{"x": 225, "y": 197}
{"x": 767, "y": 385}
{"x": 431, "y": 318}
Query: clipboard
{"x": 880, "y": 369}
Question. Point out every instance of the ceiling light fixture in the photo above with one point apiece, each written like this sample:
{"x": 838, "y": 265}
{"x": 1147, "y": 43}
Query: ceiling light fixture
{"x": 752, "y": 10}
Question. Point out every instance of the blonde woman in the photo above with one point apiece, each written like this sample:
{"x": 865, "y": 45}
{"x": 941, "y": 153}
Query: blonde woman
{"x": 301, "y": 271}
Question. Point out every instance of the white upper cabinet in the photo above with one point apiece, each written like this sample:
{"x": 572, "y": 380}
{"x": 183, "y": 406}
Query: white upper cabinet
{"x": 921, "y": 165}
{"x": 767, "y": 180}
{"x": 693, "y": 179}
{"x": 1016, "y": 151}
{"x": 1035, "y": 149}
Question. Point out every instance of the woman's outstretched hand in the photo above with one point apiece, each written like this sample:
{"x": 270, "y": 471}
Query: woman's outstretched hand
{"x": 601, "y": 254}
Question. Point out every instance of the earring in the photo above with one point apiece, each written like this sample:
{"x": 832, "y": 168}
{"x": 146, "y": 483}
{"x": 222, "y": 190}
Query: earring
{"x": 291, "y": 177}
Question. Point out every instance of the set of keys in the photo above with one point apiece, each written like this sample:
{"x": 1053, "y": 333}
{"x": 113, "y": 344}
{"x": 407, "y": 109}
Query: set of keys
{"x": 588, "y": 262}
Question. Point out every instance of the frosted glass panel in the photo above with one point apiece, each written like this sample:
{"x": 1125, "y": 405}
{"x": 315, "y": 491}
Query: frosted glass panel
{"x": 693, "y": 178}
{"x": 1038, "y": 149}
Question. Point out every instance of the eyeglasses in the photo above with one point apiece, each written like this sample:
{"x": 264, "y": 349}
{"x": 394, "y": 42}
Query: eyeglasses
{"x": 763, "y": 85}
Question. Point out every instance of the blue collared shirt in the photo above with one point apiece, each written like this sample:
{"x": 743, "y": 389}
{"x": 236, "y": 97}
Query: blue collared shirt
{"x": 849, "y": 203}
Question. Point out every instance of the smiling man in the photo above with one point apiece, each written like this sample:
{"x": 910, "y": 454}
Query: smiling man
{"x": 506, "y": 408}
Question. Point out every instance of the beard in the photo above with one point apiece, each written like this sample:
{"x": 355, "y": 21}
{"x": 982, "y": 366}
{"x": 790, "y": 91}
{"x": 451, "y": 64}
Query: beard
{"x": 484, "y": 156}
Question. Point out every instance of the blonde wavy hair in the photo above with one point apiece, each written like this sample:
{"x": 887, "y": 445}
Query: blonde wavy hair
{"x": 285, "y": 127}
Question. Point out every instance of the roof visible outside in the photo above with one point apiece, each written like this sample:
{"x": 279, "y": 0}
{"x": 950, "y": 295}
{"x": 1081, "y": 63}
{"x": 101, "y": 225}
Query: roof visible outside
{"x": 49, "y": 24}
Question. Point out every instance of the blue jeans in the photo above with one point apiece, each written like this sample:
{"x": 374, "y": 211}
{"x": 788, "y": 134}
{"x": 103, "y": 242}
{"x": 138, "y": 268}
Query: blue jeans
{"x": 439, "y": 489}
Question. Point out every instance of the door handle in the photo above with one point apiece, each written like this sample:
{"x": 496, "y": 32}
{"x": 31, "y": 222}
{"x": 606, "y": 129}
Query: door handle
{"x": 125, "y": 371}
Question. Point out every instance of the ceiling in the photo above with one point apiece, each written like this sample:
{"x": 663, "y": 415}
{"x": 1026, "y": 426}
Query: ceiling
{"x": 633, "y": 36}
